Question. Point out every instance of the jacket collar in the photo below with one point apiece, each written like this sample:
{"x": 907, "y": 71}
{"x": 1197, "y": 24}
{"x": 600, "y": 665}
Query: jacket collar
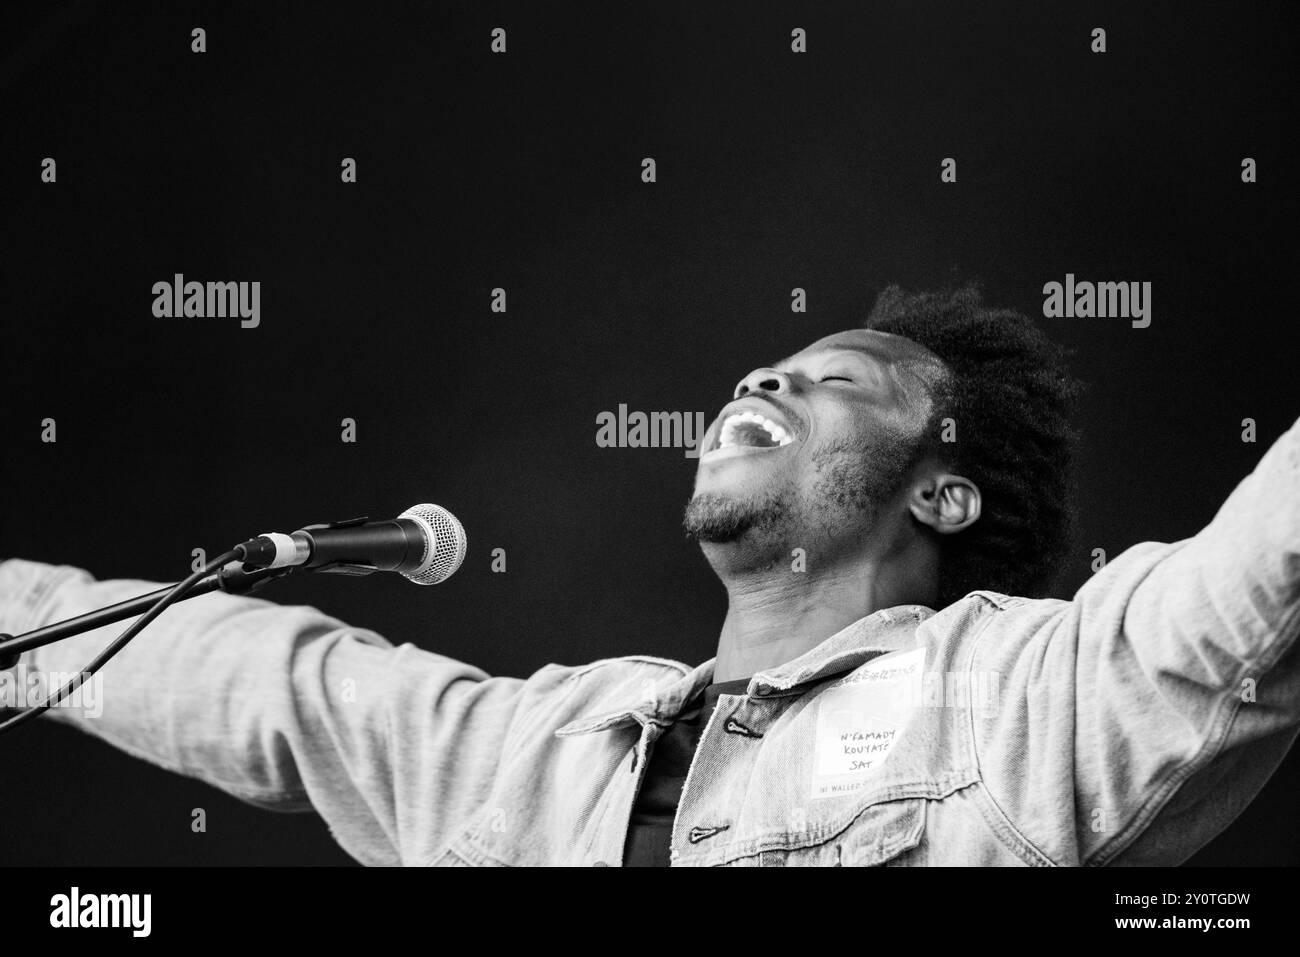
{"x": 887, "y": 630}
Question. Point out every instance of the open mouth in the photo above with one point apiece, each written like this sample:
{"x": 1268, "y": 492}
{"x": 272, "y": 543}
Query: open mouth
{"x": 748, "y": 431}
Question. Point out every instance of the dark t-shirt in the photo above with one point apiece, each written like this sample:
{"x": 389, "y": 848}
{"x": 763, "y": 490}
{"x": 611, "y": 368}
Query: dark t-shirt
{"x": 649, "y": 834}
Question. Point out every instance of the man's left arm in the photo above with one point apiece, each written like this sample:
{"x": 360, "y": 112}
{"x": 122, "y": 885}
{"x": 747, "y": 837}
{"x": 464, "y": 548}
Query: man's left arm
{"x": 1160, "y": 699}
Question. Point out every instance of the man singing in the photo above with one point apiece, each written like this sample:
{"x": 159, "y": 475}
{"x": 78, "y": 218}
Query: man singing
{"x": 885, "y": 509}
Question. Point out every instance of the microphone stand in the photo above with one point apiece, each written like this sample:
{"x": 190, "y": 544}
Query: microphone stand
{"x": 233, "y": 578}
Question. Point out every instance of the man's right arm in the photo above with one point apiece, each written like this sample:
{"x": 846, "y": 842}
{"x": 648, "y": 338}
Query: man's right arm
{"x": 282, "y": 706}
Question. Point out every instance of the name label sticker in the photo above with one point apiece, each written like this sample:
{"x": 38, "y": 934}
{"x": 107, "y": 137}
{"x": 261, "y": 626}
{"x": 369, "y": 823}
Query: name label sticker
{"x": 859, "y": 721}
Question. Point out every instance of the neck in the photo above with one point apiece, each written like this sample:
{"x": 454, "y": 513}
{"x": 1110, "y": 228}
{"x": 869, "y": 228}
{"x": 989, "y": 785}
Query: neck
{"x": 775, "y": 614}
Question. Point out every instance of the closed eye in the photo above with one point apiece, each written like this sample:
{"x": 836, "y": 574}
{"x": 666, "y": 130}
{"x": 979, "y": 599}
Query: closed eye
{"x": 836, "y": 378}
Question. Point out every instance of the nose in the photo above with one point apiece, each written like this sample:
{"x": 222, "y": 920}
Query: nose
{"x": 763, "y": 380}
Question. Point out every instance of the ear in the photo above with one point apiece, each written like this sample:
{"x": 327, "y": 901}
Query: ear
{"x": 946, "y": 503}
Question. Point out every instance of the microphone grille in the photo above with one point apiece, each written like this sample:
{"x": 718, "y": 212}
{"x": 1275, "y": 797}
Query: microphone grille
{"x": 445, "y": 549}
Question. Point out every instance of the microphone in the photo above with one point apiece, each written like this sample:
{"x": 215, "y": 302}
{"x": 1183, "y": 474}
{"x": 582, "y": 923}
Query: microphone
{"x": 426, "y": 544}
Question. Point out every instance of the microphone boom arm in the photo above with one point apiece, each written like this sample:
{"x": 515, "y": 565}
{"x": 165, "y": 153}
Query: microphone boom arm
{"x": 232, "y": 578}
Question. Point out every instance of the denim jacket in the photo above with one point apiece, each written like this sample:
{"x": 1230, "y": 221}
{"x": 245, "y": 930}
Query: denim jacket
{"x": 1127, "y": 726}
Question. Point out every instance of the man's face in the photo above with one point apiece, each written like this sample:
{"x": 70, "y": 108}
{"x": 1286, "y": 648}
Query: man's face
{"x": 815, "y": 442}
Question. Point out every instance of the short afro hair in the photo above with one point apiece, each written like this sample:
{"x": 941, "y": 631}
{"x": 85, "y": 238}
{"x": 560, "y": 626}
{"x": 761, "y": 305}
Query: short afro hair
{"x": 1010, "y": 397}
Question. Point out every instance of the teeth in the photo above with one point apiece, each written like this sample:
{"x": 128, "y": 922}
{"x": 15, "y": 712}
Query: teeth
{"x": 728, "y": 435}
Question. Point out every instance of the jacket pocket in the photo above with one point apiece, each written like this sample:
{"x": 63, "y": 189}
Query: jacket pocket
{"x": 883, "y": 834}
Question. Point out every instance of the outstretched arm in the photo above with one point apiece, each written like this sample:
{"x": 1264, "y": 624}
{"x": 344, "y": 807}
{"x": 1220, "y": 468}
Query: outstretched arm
{"x": 1140, "y": 718}
{"x": 284, "y": 707}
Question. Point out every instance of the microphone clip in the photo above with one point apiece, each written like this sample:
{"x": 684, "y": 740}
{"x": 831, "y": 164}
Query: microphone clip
{"x": 341, "y": 568}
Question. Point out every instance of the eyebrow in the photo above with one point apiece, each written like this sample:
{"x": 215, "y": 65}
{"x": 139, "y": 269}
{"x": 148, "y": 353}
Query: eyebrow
{"x": 871, "y": 354}
{"x": 908, "y": 366}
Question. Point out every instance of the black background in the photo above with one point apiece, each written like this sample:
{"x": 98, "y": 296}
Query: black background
{"x": 522, "y": 170}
